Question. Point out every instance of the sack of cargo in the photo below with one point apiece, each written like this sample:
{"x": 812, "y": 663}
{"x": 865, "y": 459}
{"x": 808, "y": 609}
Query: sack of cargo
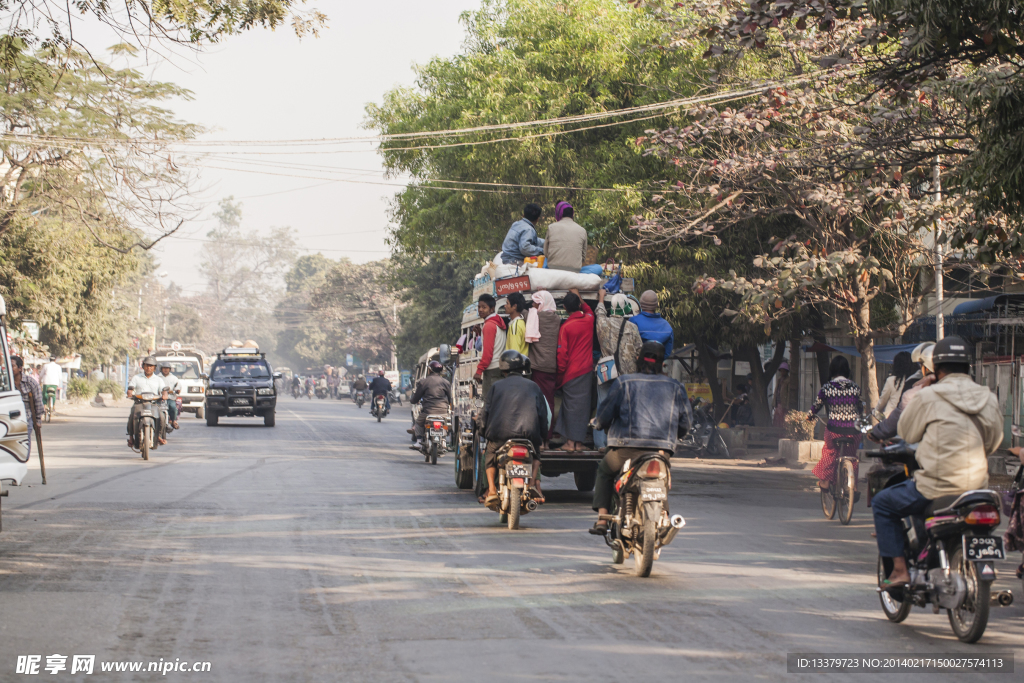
{"x": 541, "y": 278}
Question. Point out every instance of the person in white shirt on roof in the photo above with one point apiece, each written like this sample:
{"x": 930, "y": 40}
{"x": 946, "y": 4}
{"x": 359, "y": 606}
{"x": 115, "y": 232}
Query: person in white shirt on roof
{"x": 147, "y": 382}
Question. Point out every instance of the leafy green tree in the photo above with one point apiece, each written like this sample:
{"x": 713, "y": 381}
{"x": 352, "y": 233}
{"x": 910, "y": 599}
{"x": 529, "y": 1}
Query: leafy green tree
{"x": 525, "y": 60}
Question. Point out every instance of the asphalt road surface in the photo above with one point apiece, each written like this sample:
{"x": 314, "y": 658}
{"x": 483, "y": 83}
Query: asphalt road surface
{"x": 324, "y": 550}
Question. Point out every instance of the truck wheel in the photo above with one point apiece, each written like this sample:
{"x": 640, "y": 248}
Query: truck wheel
{"x": 268, "y": 419}
{"x": 211, "y": 419}
{"x": 585, "y": 480}
{"x": 201, "y": 412}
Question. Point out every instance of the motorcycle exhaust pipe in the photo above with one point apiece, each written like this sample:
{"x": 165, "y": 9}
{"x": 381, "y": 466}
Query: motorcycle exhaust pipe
{"x": 676, "y": 523}
{"x": 1003, "y": 598}
{"x": 531, "y": 505}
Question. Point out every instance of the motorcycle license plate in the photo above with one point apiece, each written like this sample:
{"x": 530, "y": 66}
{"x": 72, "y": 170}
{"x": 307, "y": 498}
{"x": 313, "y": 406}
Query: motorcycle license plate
{"x": 983, "y": 548}
{"x": 653, "y": 492}
{"x": 518, "y": 471}
{"x": 437, "y": 432}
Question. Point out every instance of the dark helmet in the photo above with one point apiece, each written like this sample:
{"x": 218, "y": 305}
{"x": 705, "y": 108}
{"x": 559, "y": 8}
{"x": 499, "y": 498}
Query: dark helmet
{"x": 512, "y": 361}
{"x": 652, "y": 354}
{"x": 435, "y": 366}
{"x": 951, "y": 350}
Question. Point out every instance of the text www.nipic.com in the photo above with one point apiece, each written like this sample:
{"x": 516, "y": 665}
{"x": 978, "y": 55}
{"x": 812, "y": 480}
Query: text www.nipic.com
{"x": 33, "y": 665}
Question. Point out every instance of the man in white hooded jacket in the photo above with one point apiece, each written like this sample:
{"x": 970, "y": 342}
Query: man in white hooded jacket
{"x": 956, "y": 424}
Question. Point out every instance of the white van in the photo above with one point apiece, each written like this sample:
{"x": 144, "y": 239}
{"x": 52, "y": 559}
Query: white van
{"x": 187, "y": 365}
{"x": 14, "y": 447}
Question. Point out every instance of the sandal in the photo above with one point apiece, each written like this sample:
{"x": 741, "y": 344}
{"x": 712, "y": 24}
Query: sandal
{"x": 600, "y": 528}
{"x": 492, "y": 502}
{"x": 887, "y": 586}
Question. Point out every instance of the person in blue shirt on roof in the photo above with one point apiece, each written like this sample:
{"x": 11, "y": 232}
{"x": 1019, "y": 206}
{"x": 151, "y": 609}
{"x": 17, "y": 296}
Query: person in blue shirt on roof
{"x": 651, "y": 325}
{"x": 522, "y": 240}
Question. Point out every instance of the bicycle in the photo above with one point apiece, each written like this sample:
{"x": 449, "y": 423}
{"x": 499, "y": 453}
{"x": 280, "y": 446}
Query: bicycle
{"x": 841, "y": 493}
{"x": 49, "y": 404}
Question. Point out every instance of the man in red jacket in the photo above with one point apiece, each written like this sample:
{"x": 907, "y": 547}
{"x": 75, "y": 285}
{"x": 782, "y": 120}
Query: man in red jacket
{"x": 575, "y": 369}
{"x": 487, "y": 369}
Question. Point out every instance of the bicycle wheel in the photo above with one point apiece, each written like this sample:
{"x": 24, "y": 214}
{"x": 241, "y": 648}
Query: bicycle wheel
{"x": 846, "y": 485}
{"x": 828, "y": 501}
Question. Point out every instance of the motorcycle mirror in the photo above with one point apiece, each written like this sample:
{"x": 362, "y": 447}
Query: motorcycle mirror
{"x": 444, "y": 354}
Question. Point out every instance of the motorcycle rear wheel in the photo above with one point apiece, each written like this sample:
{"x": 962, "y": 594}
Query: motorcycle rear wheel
{"x": 828, "y": 503}
{"x": 895, "y": 610}
{"x": 515, "y": 499}
{"x": 970, "y": 619}
{"x": 433, "y": 453}
{"x": 643, "y": 556}
{"x": 847, "y": 485}
{"x": 147, "y": 440}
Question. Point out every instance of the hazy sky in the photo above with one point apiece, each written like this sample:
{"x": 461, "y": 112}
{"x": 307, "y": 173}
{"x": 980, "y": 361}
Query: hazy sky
{"x": 270, "y": 86}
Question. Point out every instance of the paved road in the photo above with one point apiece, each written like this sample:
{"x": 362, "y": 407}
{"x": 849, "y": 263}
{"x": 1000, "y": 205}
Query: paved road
{"x": 324, "y": 550}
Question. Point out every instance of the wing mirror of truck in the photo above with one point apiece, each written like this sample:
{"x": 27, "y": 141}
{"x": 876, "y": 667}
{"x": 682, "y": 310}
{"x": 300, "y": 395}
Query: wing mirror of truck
{"x": 444, "y": 354}
{"x": 277, "y": 375}
{"x": 204, "y": 376}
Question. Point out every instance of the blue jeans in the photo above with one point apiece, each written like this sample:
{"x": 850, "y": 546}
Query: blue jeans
{"x": 600, "y": 436}
{"x": 172, "y": 410}
{"x": 890, "y": 506}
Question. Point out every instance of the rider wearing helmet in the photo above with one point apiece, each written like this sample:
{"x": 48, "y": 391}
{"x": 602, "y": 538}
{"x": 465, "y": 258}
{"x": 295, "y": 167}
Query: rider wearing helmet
{"x": 434, "y": 394}
{"x": 515, "y": 408}
{"x": 956, "y": 424}
{"x": 643, "y": 412}
{"x": 173, "y": 389}
{"x": 380, "y": 386}
{"x": 147, "y": 382}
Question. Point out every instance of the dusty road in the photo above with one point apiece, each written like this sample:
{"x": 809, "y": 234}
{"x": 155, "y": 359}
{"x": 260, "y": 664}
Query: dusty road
{"x": 325, "y": 550}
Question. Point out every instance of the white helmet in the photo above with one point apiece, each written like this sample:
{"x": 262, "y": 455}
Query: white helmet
{"x": 915, "y": 355}
{"x": 926, "y": 358}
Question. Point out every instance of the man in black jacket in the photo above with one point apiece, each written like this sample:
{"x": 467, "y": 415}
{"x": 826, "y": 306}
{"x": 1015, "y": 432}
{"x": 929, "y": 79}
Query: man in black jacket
{"x": 434, "y": 394}
{"x": 515, "y": 409}
{"x": 380, "y": 386}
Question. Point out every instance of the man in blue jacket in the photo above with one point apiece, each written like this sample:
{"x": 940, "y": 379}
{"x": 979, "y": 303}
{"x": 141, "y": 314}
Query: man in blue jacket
{"x": 522, "y": 240}
{"x": 651, "y": 325}
{"x": 644, "y": 412}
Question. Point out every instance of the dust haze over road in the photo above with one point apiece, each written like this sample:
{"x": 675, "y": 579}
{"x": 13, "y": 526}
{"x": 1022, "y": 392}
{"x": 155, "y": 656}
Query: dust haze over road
{"x": 324, "y": 550}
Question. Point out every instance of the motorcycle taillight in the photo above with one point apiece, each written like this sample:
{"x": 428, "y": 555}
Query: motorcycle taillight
{"x": 439, "y": 425}
{"x": 652, "y": 470}
{"x": 985, "y": 515}
{"x": 519, "y": 453}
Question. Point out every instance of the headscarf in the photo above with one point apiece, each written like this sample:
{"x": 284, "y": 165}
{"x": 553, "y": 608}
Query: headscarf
{"x": 542, "y": 301}
{"x": 560, "y": 208}
{"x": 622, "y": 306}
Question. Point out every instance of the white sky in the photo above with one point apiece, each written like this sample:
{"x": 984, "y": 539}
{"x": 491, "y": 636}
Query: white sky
{"x": 268, "y": 85}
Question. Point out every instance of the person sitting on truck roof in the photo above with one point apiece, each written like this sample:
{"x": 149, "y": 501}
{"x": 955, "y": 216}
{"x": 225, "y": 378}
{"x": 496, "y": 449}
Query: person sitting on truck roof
{"x": 516, "y": 307}
{"x": 566, "y": 245}
{"x": 434, "y": 394}
{"x": 522, "y": 240}
{"x": 651, "y": 325}
{"x": 493, "y": 342}
{"x": 515, "y": 409}
{"x": 644, "y": 412}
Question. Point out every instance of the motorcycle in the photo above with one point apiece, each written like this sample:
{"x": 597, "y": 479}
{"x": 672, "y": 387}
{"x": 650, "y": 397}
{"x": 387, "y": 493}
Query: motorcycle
{"x": 704, "y": 438}
{"x": 639, "y": 522}
{"x": 379, "y": 407}
{"x": 359, "y": 397}
{"x": 515, "y": 469}
{"x": 309, "y": 392}
{"x": 296, "y": 391}
{"x": 949, "y": 551}
{"x": 321, "y": 392}
{"x": 435, "y": 443}
{"x": 146, "y": 425}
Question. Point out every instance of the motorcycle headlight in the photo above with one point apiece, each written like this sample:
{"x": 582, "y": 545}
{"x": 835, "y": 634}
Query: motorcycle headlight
{"x": 215, "y": 392}
{"x": 265, "y": 391}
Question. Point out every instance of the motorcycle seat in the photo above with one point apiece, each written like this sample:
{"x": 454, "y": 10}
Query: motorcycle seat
{"x": 947, "y": 505}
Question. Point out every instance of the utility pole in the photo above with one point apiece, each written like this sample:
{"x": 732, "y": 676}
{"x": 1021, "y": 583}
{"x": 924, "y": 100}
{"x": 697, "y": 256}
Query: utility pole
{"x": 939, "y": 322}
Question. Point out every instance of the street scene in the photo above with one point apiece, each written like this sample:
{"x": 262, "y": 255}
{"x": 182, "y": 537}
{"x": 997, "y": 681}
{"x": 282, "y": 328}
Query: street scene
{"x": 558, "y": 340}
{"x": 326, "y": 549}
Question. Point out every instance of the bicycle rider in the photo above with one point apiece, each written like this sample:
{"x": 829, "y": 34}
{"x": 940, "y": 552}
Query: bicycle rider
{"x": 840, "y": 397}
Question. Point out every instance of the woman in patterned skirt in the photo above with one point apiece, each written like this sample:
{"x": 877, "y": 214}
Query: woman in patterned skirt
{"x": 841, "y": 398}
